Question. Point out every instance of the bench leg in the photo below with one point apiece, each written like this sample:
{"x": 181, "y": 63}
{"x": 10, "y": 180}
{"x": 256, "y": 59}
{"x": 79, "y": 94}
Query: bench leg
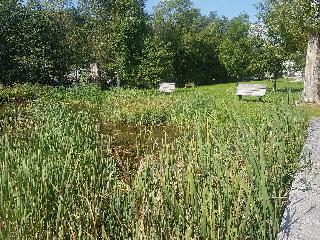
{"x": 260, "y": 99}
{"x": 240, "y": 97}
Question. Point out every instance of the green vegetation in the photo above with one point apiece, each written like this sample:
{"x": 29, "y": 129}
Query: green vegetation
{"x": 81, "y": 163}
{"x": 44, "y": 41}
{"x": 77, "y": 162}
{"x": 294, "y": 28}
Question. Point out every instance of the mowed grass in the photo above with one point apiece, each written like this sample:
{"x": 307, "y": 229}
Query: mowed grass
{"x": 80, "y": 163}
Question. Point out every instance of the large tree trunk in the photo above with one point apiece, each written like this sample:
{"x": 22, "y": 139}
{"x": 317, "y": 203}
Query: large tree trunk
{"x": 312, "y": 71}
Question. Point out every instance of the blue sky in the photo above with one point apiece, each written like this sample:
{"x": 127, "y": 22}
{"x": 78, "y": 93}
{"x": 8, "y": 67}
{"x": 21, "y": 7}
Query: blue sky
{"x": 228, "y": 8}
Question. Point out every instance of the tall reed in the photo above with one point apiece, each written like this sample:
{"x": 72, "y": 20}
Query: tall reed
{"x": 224, "y": 176}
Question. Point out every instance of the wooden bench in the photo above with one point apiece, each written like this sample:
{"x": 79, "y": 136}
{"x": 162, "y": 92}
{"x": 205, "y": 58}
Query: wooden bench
{"x": 167, "y": 87}
{"x": 258, "y": 90}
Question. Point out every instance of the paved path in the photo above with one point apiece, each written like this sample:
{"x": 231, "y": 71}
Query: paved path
{"x": 301, "y": 219}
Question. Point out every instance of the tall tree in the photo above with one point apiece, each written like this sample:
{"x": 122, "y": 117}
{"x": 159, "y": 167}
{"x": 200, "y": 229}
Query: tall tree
{"x": 46, "y": 53}
{"x": 236, "y": 47}
{"x": 94, "y": 32}
{"x": 34, "y": 41}
{"x": 312, "y": 72}
{"x": 193, "y": 40}
{"x": 297, "y": 24}
{"x": 11, "y": 19}
{"x": 128, "y": 34}
{"x": 156, "y": 63}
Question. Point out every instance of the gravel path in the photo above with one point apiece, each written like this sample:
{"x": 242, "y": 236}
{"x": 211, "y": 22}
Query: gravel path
{"x": 301, "y": 219}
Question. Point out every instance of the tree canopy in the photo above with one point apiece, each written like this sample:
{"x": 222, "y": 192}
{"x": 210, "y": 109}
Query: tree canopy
{"x": 295, "y": 26}
{"x": 44, "y": 41}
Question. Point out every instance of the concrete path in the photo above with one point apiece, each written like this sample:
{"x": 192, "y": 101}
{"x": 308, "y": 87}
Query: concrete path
{"x": 301, "y": 219}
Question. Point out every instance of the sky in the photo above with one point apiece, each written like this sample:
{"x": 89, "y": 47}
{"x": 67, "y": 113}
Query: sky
{"x": 228, "y": 8}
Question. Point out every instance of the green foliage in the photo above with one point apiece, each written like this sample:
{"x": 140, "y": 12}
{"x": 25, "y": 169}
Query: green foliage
{"x": 22, "y": 94}
{"x": 47, "y": 56}
{"x": 156, "y": 64}
{"x": 11, "y": 17}
{"x": 288, "y": 24}
{"x": 129, "y": 29}
{"x": 35, "y": 45}
{"x": 194, "y": 41}
{"x": 44, "y": 41}
{"x": 220, "y": 170}
{"x": 236, "y": 48}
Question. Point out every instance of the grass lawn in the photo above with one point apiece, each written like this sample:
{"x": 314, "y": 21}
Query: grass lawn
{"x": 80, "y": 163}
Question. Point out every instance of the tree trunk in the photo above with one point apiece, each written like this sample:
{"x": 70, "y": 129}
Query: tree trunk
{"x": 274, "y": 84}
{"x": 312, "y": 71}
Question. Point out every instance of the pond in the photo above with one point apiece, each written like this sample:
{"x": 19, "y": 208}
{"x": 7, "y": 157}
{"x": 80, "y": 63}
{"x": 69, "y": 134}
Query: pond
{"x": 130, "y": 143}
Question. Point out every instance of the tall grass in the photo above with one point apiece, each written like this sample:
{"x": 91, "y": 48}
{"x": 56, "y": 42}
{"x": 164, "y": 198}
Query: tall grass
{"x": 224, "y": 176}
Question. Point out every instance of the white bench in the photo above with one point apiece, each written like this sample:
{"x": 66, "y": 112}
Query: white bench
{"x": 167, "y": 87}
{"x": 258, "y": 90}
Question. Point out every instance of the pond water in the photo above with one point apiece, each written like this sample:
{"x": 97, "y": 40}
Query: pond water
{"x": 131, "y": 143}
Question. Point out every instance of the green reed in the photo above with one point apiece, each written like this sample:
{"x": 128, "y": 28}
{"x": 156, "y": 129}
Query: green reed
{"x": 224, "y": 175}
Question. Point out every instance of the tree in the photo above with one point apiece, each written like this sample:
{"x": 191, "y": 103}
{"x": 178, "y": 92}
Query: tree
{"x": 45, "y": 53}
{"x": 172, "y": 20}
{"x": 268, "y": 55}
{"x": 91, "y": 37}
{"x": 312, "y": 72}
{"x": 34, "y": 42}
{"x": 193, "y": 41}
{"x": 156, "y": 63}
{"x": 235, "y": 49}
{"x": 201, "y": 49}
{"x": 11, "y": 17}
{"x": 128, "y": 34}
{"x": 272, "y": 59}
{"x": 297, "y": 25}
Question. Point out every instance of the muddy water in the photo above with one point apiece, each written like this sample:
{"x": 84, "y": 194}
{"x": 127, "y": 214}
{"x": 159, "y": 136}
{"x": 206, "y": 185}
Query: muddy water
{"x": 131, "y": 143}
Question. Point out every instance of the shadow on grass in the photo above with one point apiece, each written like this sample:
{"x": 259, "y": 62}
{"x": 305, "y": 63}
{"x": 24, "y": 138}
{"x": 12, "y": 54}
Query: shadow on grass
{"x": 251, "y": 100}
{"x": 288, "y": 90}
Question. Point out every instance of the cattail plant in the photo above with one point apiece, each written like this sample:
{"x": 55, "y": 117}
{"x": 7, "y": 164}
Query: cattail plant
{"x": 80, "y": 163}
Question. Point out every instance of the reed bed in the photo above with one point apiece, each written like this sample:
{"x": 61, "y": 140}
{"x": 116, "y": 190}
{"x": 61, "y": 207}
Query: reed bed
{"x": 223, "y": 174}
